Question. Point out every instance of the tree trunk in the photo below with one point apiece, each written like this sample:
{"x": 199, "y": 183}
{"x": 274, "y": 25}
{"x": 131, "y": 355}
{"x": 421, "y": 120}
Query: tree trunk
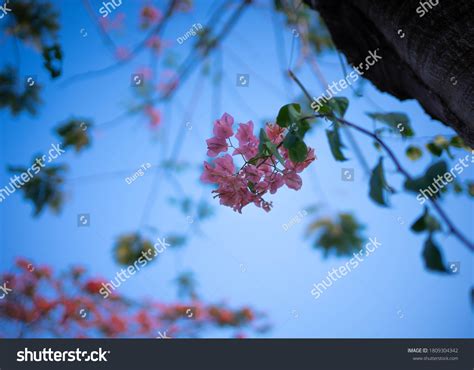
{"x": 429, "y": 58}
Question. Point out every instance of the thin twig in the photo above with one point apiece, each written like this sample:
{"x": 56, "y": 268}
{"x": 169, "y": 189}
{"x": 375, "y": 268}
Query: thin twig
{"x": 155, "y": 31}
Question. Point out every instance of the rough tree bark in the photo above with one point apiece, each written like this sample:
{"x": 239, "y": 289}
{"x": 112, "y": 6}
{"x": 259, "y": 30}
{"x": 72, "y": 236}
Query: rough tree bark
{"x": 429, "y": 58}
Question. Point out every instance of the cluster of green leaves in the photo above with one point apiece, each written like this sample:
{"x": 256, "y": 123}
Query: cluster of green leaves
{"x": 296, "y": 125}
{"x": 432, "y": 255}
{"x": 437, "y": 147}
{"x": 394, "y": 123}
{"x": 129, "y": 248}
{"x": 340, "y": 236}
{"x": 16, "y": 97}
{"x": 440, "y": 144}
{"x": 74, "y": 133}
{"x": 291, "y": 118}
{"x": 45, "y": 188}
{"x": 332, "y": 110}
{"x": 35, "y": 23}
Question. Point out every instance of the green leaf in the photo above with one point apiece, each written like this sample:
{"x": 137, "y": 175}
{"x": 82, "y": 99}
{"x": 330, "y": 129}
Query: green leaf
{"x": 298, "y": 152}
{"x": 438, "y": 145}
{"x": 457, "y": 142}
{"x": 297, "y": 148}
{"x": 262, "y": 148}
{"x": 274, "y": 150}
{"x": 341, "y": 236}
{"x": 339, "y": 105}
{"x": 266, "y": 147}
{"x": 288, "y": 114}
{"x": 432, "y": 256}
{"x": 302, "y": 126}
{"x": 336, "y": 144}
{"x": 290, "y": 140}
{"x": 398, "y": 123}
{"x": 426, "y": 222}
{"x": 378, "y": 185}
{"x": 335, "y": 107}
{"x": 414, "y": 152}
{"x": 422, "y": 182}
{"x": 434, "y": 149}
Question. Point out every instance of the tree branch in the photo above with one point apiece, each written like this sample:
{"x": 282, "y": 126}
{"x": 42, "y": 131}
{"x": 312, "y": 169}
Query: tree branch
{"x": 452, "y": 228}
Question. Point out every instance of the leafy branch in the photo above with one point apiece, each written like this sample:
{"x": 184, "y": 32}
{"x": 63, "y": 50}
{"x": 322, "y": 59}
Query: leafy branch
{"x": 451, "y": 227}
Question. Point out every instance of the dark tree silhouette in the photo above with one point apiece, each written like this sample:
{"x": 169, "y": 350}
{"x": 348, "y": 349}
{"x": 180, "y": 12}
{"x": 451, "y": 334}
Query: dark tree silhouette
{"x": 428, "y": 58}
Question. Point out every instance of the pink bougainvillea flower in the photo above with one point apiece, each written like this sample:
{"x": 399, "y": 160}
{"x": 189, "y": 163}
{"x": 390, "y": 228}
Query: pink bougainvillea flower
{"x": 299, "y": 167}
{"x": 223, "y": 126}
{"x": 252, "y": 173}
{"x": 233, "y": 192}
{"x": 275, "y": 133}
{"x": 216, "y": 145}
{"x": 224, "y": 168}
{"x": 271, "y": 183}
{"x": 292, "y": 180}
{"x": 248, "y": 142}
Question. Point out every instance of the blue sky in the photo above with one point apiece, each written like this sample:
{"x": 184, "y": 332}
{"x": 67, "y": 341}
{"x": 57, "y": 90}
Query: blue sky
{"x": 242, "y": 259}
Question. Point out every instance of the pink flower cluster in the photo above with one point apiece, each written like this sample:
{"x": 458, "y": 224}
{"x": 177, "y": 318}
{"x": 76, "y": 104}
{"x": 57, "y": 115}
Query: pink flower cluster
{"x": 259, "y": 174}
